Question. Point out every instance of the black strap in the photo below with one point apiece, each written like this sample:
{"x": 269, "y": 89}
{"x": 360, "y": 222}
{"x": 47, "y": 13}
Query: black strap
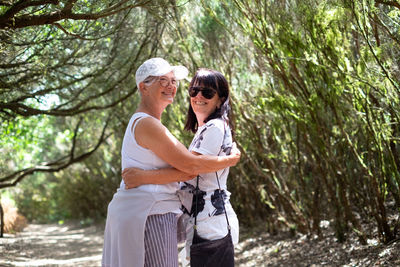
{"x": 197, "y": 189}
{"x": 223, "y": 202}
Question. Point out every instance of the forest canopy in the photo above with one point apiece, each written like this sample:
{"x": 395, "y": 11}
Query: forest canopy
{"x": 315, "y": 89}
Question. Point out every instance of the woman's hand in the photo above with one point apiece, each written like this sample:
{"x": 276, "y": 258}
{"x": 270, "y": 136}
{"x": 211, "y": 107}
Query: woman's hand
{"x": 235, "y": 154}
{"x": 132, "y": 177}
{"x": 151, "y": 134}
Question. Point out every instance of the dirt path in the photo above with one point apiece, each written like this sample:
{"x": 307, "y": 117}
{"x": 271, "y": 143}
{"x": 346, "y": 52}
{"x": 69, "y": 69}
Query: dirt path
{"x": 53, "y": 245}
{"x": 74, "y": 245}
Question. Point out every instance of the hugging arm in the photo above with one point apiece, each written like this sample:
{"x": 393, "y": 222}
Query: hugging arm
{"x": 134, "y": 177}
{"x": 151, "y": 134}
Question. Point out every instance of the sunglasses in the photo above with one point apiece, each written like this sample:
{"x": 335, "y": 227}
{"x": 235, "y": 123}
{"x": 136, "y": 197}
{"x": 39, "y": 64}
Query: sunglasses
{"x": 207, "y": 93}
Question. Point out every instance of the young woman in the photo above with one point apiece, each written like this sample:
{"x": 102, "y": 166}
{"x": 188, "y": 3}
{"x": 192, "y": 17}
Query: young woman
{"x": 209, "y": 118}
{"x": 141, "y": 226}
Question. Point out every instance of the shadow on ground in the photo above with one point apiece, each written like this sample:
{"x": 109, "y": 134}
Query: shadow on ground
{"x": 53, "y": 245}
{"x": 72, "y": 244}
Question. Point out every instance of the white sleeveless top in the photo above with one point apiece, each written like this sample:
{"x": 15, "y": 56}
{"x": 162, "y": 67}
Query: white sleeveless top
{"x": 128, "y": 210}
{"x": 134, "y": 155}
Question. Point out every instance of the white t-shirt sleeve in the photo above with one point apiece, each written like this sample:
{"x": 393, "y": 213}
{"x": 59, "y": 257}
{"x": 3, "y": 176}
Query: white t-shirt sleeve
{"x": 210, "y": 141}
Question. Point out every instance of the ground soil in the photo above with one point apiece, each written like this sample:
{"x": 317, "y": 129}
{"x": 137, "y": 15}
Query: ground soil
{"x": 72, "y": 244}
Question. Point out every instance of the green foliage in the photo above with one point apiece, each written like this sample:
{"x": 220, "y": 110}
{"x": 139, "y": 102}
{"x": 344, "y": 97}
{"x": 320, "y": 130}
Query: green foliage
{"x": 23, "y": 141}
{"x": 35, "y": 200}
{"x": 83, "y": 192}
{"x": 327, "y": 112}
{"x": 315, "y": 88}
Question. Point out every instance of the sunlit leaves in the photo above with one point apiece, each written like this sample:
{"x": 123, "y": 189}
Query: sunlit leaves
{"x": 315, "y": 90}
{"x": 24, "y": 142}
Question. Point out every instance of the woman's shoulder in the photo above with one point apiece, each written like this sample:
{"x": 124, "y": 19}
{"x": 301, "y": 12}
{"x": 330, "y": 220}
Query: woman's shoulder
{"x": 217, "y": 122}
{"x": 212, "y": 127}
{"x": 151, "y": 123}
{"x": 217, "y": 125}
{"x": 138, "y": 115}
{"x": 148, "y": 125}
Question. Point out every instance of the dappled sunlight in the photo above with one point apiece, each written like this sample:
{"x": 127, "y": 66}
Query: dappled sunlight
{"x": 52, "y": 244}
{"x": 84, "y": 261}
{"x": 314, "y": 94}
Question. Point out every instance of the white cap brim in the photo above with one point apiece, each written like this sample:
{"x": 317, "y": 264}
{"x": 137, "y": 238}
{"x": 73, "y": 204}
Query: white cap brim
{"x": 159, "y": 67}
{"x": 180, "y": 72}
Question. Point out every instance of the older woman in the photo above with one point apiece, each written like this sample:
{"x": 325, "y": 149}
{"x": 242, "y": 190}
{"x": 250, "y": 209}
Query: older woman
{"x": 141, "y": 226}
{"x": 209, "y": 118}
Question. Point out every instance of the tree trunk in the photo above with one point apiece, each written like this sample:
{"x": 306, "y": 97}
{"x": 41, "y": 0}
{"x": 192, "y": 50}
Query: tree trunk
{"x": 1, "y": 220}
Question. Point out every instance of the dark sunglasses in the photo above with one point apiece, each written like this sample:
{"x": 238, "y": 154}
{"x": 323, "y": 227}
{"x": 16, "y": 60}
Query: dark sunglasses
{"x": 207, "y": 93}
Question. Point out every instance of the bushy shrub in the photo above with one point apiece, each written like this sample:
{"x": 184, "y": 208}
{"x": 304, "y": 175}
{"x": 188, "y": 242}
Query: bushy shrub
{"x": 13, "y": 221}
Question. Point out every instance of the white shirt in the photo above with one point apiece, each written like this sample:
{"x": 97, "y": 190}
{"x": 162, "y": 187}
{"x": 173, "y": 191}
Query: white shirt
{"x": 212, "y": 138}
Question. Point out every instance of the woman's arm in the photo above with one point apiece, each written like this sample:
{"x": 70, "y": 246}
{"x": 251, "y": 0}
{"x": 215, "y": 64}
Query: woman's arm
{"x": 134, "y": 177}
{"x": 151, "y": 134}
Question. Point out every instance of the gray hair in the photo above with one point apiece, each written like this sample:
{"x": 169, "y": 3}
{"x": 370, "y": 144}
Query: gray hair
{"x": 150, "y": 80}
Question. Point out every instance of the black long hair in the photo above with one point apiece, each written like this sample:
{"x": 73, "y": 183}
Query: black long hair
{"x": 211, "y": 79}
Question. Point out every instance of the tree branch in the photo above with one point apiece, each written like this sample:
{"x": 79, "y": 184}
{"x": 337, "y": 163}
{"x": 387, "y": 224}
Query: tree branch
{"x": 23, "y": 4}
{"x": 71, "y": 155}
{"x": 10, "y": 20}
{"x": 3, "y": 3}
{"x": 68, "y": 33}
{"x": 54, "y": 166}
{"x": 75, "y": 106}
{"x": 27, "y": 111}
{"x": 69, "y": 5}
{"x": 389, "y": 3}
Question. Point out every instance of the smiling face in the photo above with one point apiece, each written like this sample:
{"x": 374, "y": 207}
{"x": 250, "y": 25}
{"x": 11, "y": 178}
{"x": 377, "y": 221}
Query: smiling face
{"x": 162, "y": 89}
{"x": 203, "y": 106}
{"x": 208, "y": 91}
